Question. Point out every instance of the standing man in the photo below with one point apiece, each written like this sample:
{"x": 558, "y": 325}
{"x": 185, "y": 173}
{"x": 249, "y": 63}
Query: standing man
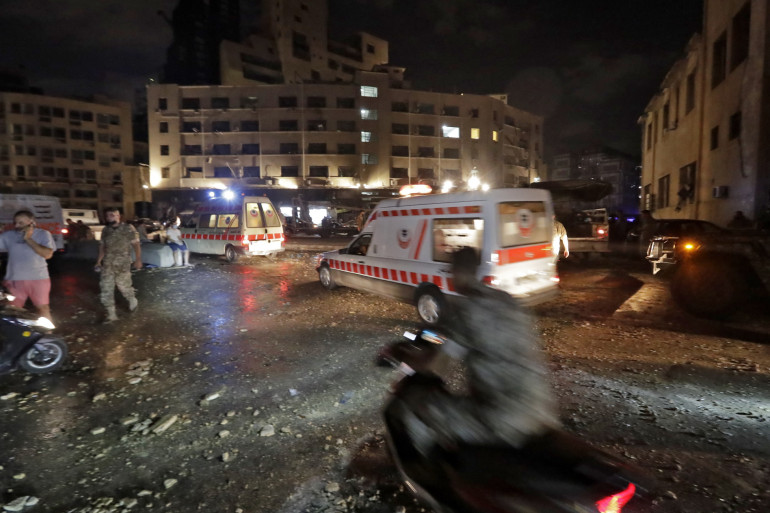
{"x": 28, "y": 249}
{"x": 114, "y": 262}
{"x": 559, "y": 235}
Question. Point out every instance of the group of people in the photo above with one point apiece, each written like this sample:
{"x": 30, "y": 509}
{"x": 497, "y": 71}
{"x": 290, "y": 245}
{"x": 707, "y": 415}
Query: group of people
{"x": 29, "y": 247}
{"x": 77, "y": 231}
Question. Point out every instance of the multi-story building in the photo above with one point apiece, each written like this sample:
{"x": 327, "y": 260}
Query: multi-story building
{"x": 606, "y": 165}
{"x": 298, "y": 110}
{"x": 705, "y": 134}
{"x": 330, "y": 135}
{"x": 76, "y": 150}
{"x": 199, "y": 28}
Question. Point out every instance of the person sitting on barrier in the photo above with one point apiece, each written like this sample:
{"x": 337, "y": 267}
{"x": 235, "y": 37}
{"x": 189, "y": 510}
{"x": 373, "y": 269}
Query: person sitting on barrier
{"x": 177, "y": 245}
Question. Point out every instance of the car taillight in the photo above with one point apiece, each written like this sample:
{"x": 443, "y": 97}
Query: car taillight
{"x": 245, "y": 240}
{"x": 614, "y": 503}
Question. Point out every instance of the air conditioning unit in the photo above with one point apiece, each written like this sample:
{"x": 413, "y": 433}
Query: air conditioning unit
{"x": 721, "y": 191}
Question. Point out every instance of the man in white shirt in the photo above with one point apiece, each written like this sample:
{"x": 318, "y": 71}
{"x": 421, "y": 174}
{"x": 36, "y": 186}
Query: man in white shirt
{"x": 559, "y": 236}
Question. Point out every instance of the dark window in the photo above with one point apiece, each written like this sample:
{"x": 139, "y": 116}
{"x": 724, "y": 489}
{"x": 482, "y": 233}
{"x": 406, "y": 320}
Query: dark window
{"x": 370, "y": 48}
{"x": 333, "y": 64}
{"x": 346, "y": 149}
{"x": 164, "y": 149}
{"x": 220, "y": 103}
{"x": 290, "y": 171}
{"x": 288, "y": 125}
{"x": 740, "y": 36}
{"x": 346, "y": 171}
{"x": 249, "y": 126}
{"x": 474, "y": 113}
{"x": 400, "y": 151}
{"x": 719, "y": 60}
{"x": 666, "y": 114}
{"x": 425, "y": 108}
{"x": 686, "y": 191}
{"x": 399, "y": 172}
{"x": 735, "y": 125}
{"x": 163, "y": 127}
{"x": 451, "y": 153}
{"x": 165, "y": 172}
{"x": 250, "y": 149}
{"x": 220, "y": 126}
{"x": 58, "y": 112}
{"x": 87, "y": 116}
{"x": 400, "y": 128}
{"x": 346, "y": 126}
{"x": 426, "y": 151}
{"x": 191, "y": 126}
{"x": 399, "y": 107}
{"x": 319, "y": 171}
{"x": 288, "y": 148}
{"x": 221, "y": 149}
{"x": 715, "y": 137}
{"x": 663, "y": 190}
{"x": 426, "y": 130}
{"x": 251, "y": 171}
{"x": 316, "y": 101}
{"x": 316, "y": 125}
{"x": 191, "y": 103}
{"x": 451, "y": 110}
{"x": 369, "y": 158}
{"x": 287, "y": 101}
{"x": 223, "y": 172}
{"x": 346, "y": 103}
{"x": 316, "y": 148}
{"x": 690, "y": 100}
{"x": 425, "y": 173}
{"x": 162, "y": 103}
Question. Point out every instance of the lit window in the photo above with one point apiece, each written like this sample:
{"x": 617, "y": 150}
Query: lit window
{"x": 369, "y": 114}
{"x": 369, "y": 91}
{"x": 475, "y": 133}
{"x": 452, "y": 132}
{"x": 368, "y": 158}
{"x": 494, "y": 135}
{"x": 366, "y": 137}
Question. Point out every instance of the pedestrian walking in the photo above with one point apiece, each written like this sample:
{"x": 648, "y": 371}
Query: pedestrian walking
{"x": 559, "y": 237}
{"x": 114, "y": 262}
{"x": 26, "y": 276}
{"x": 178, "y": 246}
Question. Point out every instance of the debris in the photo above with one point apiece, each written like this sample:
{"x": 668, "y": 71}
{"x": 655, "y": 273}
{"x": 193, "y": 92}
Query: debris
{"x": 164, "y": 423}
{"x": 267, "y": 430}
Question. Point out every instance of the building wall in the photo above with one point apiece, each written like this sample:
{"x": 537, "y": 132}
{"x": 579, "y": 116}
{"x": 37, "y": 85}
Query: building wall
{"x": 73, "y": 149}
{"x": 713, "y": 155}
{"x": 345, "y": 128}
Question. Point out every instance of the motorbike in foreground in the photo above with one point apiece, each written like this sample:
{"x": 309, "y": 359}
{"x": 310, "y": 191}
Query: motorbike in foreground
{"x": 555, "y": 472}
{"x": 26, "y": 340}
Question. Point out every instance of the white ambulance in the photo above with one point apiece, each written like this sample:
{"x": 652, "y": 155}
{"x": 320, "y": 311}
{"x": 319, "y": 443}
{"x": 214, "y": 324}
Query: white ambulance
{"x": 246, "y": 225}
{"x": 405, "y": 249}
{"x": 47, "y": 210}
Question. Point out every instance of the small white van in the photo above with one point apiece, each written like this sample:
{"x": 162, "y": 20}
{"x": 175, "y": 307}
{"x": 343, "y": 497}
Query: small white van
{"x": 47, "y": 210}
{"x": 405, "y": 249}
{"x": 246, "y": 225}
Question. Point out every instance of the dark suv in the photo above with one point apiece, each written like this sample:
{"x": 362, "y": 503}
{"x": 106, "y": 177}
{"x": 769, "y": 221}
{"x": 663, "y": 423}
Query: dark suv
{"x": 661, "y": 251}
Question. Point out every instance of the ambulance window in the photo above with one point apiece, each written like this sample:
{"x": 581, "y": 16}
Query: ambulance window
{"x": 253, "y": 217}
{"x": 227, "y": 221}
{"x": 272, "y": 220}
{"x": 450, "y": 235}
{"x": 523, "y": 222}
{"x": 208, "y": 221}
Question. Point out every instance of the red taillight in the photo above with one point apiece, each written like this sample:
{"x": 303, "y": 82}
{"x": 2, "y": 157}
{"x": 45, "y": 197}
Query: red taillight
{"x": 615, "y": 503}
{"x": 492, "y": 281}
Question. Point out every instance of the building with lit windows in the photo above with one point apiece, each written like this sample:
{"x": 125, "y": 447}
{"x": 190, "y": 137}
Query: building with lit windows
{"x": 704, "y": 135}
{"x": 79, "y": 151}
{"x": 297, "y": 110}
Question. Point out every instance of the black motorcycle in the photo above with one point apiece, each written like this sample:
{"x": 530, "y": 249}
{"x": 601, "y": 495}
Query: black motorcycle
{"x": 26, "y": 340}
{"x": 555, "y": 472}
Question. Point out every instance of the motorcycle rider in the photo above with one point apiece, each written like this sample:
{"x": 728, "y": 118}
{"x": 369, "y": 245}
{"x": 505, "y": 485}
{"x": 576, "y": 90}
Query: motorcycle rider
{"x": 508, "y": 398}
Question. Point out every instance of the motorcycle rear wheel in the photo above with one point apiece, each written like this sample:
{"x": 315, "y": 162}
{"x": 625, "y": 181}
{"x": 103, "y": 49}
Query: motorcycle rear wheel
{"x": 46, "y": 355}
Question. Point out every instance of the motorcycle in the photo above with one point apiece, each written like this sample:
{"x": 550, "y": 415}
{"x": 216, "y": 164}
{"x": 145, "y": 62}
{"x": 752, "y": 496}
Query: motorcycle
{"x": 552, "y": 473}
{"x": 27, "y": 341}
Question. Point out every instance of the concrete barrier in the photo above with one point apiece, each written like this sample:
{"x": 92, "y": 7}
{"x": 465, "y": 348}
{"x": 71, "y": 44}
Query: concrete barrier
{"x": 159, "y": 255}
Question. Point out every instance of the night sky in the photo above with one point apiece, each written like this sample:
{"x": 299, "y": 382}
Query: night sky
{"x": 589, "y": 66}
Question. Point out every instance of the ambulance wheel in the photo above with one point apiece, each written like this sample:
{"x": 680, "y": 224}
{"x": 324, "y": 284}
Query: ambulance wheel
{"x": 431, "y": 305}
{"x": 325, "y": 275}
{"x": 231, "y": 254}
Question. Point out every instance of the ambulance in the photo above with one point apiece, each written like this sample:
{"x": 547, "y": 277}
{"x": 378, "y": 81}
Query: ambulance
{"x": 405, "y": 249}
{"x": 249, "y": 225}
{"x": 47, "y": 210}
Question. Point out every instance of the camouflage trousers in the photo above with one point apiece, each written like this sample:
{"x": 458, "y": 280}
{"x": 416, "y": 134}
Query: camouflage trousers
{"x": 117, "y": 276}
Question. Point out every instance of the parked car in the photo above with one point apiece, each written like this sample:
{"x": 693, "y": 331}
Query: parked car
{"x": 662, "y": 246}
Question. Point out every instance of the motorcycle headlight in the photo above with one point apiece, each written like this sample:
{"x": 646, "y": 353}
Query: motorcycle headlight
{"x": 42, "y": 322}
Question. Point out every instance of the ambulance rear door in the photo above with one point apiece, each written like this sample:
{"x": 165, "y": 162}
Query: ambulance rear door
{"x": 262, "y": 228}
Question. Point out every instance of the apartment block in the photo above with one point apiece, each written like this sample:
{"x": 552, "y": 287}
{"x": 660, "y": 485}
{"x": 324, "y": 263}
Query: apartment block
{"x": 79, "y": 151}
{"x": 366, "y": 133}
{"x": 705, "y": 133}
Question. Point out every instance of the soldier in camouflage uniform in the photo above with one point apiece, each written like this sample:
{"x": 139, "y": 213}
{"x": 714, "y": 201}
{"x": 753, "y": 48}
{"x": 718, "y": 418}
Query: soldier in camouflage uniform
{"x": 115, "y": 262}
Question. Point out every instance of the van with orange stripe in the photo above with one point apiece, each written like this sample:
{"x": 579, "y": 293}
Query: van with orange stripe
{"x": 405, "y": 249}
{"x": 248, "y": 225}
